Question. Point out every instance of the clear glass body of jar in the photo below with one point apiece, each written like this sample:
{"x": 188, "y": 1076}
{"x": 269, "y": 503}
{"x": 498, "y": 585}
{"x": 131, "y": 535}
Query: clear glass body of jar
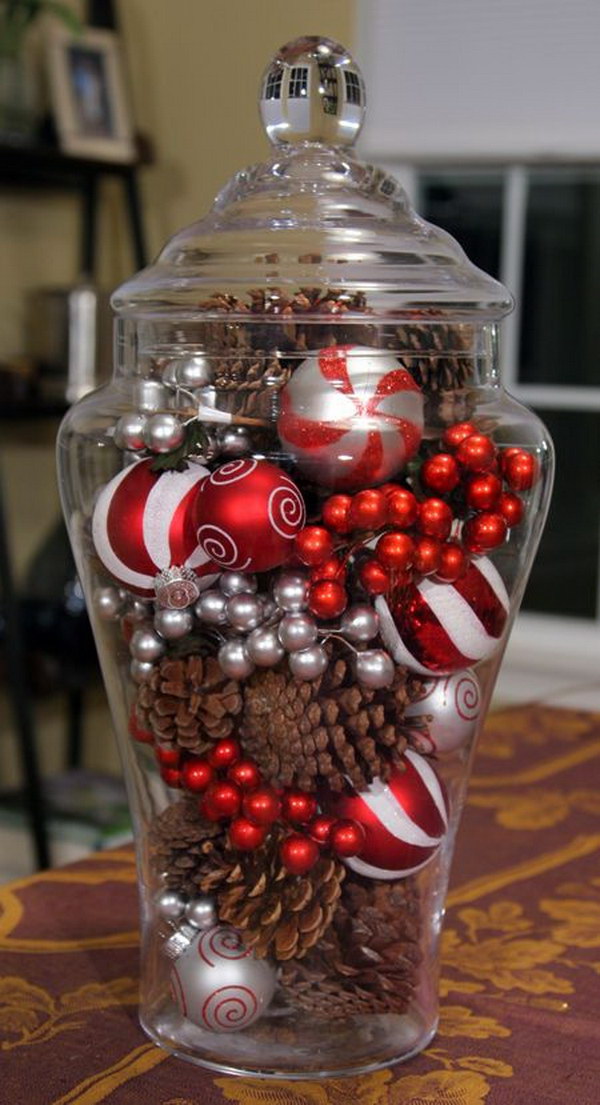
{"x": 303, "y": 513}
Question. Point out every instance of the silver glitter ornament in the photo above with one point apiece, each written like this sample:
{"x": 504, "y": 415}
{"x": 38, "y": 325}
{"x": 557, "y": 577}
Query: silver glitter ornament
{"x": 170, "y": 905}
{"x": 235, "y": 583}
{"x": 310, "y": 663}
{"x": 173, "y": 624}
{"x": 453, "y": 704}
{"x": 297, "y": 631}
{"x": 149, "y": 396}
{"x": 163, "y": 432}
{"x": 374, "y": 668}
{"x": 141, "y": 670}
{"x": 107, "y": 603}
{"x": 290, "y": 592}
{"x": 211, "y": 608}
{"x": 264, "y": 647}
{"x": 234, "y": 660}
{"x": 360, "y": 623}
{"x": 129, "y": 431}
{"x": 244, "y": 611}
{"x": 201, "y": 913}
{"x": 219, "y": 984}
{"x": 234, "y": 441}
{"x": 146, "y": 645}
{"x": 193, "y": 372}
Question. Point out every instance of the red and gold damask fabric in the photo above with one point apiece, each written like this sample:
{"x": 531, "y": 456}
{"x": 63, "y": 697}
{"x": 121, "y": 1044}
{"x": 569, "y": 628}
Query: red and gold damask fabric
{"x": 520, "y": 1018}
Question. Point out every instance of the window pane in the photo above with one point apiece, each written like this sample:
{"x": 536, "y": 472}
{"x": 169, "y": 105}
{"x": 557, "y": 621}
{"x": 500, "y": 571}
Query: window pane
{"x": 564, "y": 579}
{"x": 560, "y": 320}
{"x": 469, "y": 208}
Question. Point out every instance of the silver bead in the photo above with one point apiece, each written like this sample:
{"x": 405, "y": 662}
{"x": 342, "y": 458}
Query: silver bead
{"x": 129, "y": 431}
{"x": 137, "y": 611}
{"x": 244, "y": 611}
{"x": 454, "y": 704}
{"x": 201, "y": 913}
{"x": 310, "y": 663}
{"x": 211, "y": 608}
{"x": 170, "y": 905}
{"x": 173, "y": 624}
{"x": 149, "y": 396}
{"x": 146, "y": 645}
{"x": 141, "y": 670}
{"x": 264, "y": 647}
{"x": 297, "y": 631}
{"x": 374, "y": 668}
{"x": 234, "y": 441}
{"x": 234, "y": 659}
{"x": 193, "y": 372}
{"x": 360, "y": 623}
{"x": 107, "y": 603}
{"x": 290, "y": 592}
{"x": 163, "y": 432}
{"x": 235, "y": 583}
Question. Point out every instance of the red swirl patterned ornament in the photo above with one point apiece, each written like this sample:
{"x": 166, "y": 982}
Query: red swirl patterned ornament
{"x": 218, "y": 984}
{"x": 404, "y": 820}
{"x": 144, "y": 524}
{"x": 452, "y": 706}
{"x": 248, "y": 515}
{"x": 351, "y": 416}
{"x": 438, "y": 628}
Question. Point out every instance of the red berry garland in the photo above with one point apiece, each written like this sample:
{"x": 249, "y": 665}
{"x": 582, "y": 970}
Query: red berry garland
{"x": 327, "y": 599}
{"x": 245, "y": 774}
{"x": 335, "y": 513}
{"x": 299, "y": 853}
{"x": 313, "y": 545}
{"x": 440, "y": 473}
{"x": 298, "y": 807}
{"x": 245, "y": 835}
{"x": 196, "y": 775}
{"x": 261, "y": 806}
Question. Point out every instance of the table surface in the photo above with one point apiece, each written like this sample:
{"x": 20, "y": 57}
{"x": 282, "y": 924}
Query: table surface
{"x": 521, "y": 960}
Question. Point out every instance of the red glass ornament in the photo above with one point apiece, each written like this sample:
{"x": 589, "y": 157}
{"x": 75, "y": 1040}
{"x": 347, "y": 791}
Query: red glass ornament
{"x": 313, "y": 545}
{"x": 395, "y": 551}
{"x": 435, "y": 518}
{"x": 427, "y": 555}
{"x": 368, "y": 509}
{"x": 224, "y": 753}
{"x": 245, "y": 835}
{"x": 321, "y": 827}
{"x": 144, "y": 736}
{"x": 476, "y": 453}
{"x": 298, "y": 806}
{"x": 262, "y": 806}
{"x": 440, "y": 473}
{"x": 453, "y": 562}
{"x": 483, "y": 492}
{"x": 167, "y": 755}
{"x": 401, "y": 508}
{"x": 333, "y": 568}
{"x": 197, "y": 774}
{"x": 347, "y": 838}
{"x": 221, "y": 800}
{"x": 485, "y": 531}
{"x": 512, "y": 508}
{"x": 335, "y": 513}
{"x": 519, "y": 468}
{"x": 453, "y": 436}
{"x": 374, "y": 577}
{"x": 327, "y": 599}
{"x": 299, "y": 853}
{"x": 245, "y": 774}
{"x": 171, "y": 776}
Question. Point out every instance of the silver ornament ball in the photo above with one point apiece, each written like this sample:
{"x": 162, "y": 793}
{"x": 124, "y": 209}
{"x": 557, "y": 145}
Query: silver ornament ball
{"x": 129, "y": 431}
{"x": 193, "y": 372}
{"x": 234, "y": 659}
{"x": 264, "y": 647}
{"x": 234, "y": 441}
{"x": 146, "y": 645}
{"x": 173, "y": 624}
{"x": 236, "y": 583}
{"x": 149, "y": 396}
{"x": 297, "y": 631}
{"x": 360, "y": 623}
{"x": 141, "y": 670}
{"x": 454, "y": 703}
{"x": 170, "y": 905}
{"x": 290, "y": 592}
{"x": 374, "y": 668}
{"x": 107, "y": 603}
{"x": 310, "y": 663}
{"x": 163, "y": 433}
{"x": 244, "y": 611}
{"x": 201, "y": 913}
{"x": 211, "y": 608}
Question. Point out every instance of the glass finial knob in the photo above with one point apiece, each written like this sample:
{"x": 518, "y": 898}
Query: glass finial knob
{"x": 312, "y": 91}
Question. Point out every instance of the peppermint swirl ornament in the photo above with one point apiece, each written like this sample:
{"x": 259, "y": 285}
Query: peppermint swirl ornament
{"x": 453, "y": 706}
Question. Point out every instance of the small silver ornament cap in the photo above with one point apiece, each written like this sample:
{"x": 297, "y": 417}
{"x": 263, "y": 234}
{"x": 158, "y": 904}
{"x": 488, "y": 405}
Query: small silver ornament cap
{"x": 312, "y": 91}
{"x": 176, "y": 588}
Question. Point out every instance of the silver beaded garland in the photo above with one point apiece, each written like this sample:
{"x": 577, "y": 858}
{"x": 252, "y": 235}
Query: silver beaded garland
{"x": 360, "y": 623}
{"x": 149, "y": 396}
{"x": 129, "y": 431}
{"x": 234, "y": 659}
{"x": 310, "y": 663}
{"x": 193, "y": 372}
{"x": 290, "y": 592}
{"x": 170, "y": 905}
{"x": 234, "y": 441}
{"x": 212, "y": 608}
{"x": 137, "y": 611}
{"x": 141, "y": 670}
{"x": 244, "y": 611}
{"x": 107, "y": 603}
{"x": 163, "y": 432}
{"x": 235, "y": 583}
{"x": 201, "y": 913}
{"x": 297, "y": 631}
{"x": 374, "y": 668}
{"x": 146, "y": 645}
{"x": 173, "y": 624}
{"x": 264, "y": 647}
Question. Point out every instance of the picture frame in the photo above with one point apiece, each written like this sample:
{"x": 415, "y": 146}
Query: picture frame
{"x": 88, "y": 94}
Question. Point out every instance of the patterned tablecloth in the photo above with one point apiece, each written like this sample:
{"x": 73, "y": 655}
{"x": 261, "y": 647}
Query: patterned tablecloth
{"x": 520, "y": 1018}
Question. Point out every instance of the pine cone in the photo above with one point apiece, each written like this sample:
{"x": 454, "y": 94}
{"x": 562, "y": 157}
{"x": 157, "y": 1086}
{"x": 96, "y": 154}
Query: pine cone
{"x": 189, "y": 701}
{"x": 332, "y": 728}
{"x": 277, "y": 913}
{"x": 181, "y": 843}
{"x": 367, "y": 961}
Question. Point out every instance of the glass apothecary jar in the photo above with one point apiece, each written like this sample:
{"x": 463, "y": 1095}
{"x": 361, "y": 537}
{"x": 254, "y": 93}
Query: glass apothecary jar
{"x": 303, "y": 512}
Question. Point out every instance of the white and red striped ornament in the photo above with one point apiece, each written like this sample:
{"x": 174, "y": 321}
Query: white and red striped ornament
{"x": 405, "y": 820}
{"x": 351, "y": 416}
{"x": 144, "y": 524}
{"x": 438, "y": 628}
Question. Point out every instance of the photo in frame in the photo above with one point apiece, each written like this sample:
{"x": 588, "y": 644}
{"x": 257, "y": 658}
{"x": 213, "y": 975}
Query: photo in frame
{"x": 88, "y": 95}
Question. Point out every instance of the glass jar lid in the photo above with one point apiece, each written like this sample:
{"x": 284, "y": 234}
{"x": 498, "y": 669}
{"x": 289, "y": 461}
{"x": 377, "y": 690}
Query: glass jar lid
{"x": 313, "y": 216}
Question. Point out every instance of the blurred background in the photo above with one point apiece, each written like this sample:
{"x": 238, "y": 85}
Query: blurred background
{"x": 119, "y": 122}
